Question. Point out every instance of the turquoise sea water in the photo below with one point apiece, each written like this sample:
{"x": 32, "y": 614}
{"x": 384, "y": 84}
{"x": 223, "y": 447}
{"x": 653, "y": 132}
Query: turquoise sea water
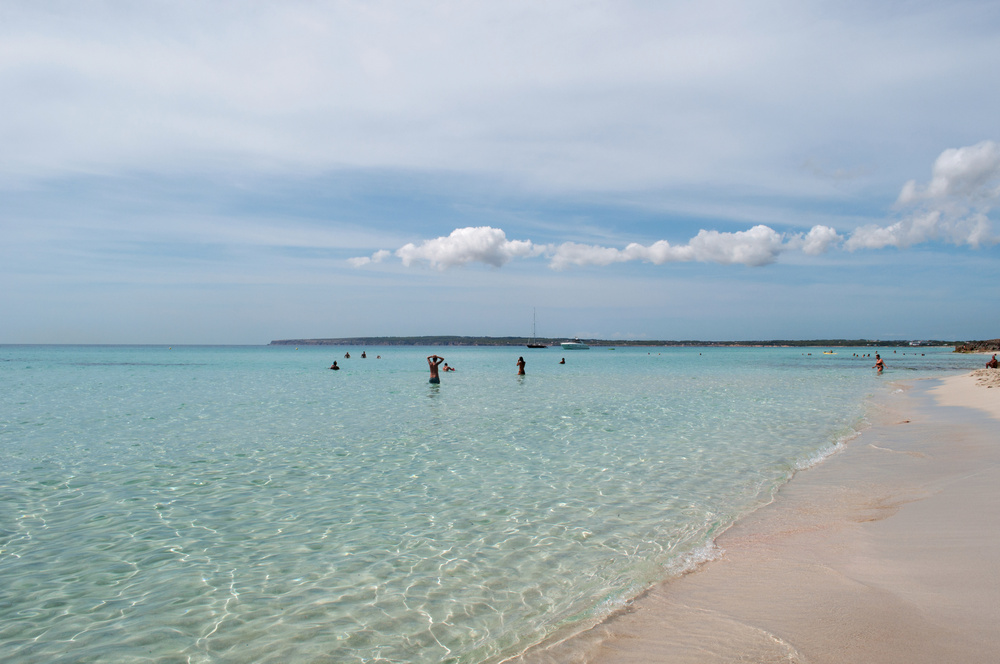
{"x": 246, "y": 504}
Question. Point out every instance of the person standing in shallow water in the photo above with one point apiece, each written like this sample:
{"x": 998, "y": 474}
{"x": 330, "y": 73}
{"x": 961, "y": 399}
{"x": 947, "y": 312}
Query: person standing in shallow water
{"x": 520, "y": 366}
{"x": 433, "y": 361}
{"x": 879, "y": 364}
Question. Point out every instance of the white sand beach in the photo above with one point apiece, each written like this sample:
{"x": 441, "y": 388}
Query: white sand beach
{"x": 887, "y": 552}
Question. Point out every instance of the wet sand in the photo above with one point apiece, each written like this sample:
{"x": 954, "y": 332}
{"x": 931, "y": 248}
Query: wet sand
{"x": 887, "y": 552}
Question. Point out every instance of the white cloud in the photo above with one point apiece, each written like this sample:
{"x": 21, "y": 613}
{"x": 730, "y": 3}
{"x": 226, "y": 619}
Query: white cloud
{"x": 761, "y": 245}
{"x": 466, "y": 245}
{"x": 817, "y": 241}
{"x": 905, "y": 233}
{"x": 970, "y": 172}
{"x": 954, "y": 206}
{"x": 758, "y": 246}
{"x": 973, "y": 229}
{"x": 574, "y": 253}
{"x": 377, "y": 257}
{"x": 755, "y": 247}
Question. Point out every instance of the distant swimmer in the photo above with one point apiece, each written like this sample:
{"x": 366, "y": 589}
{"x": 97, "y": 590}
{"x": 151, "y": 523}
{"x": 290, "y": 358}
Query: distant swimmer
{"x": 562, "y": 361}
{"x": 992, "y": 364}
{"x": 520, "y": 366}
{"x": 347, "y": 356}
{"x": 363, "y": 355}
{"x": 433, "y": 361}
{"x": 445, "y": 367}
{"x": 879, "y": 364}
{"x": 334, "y": 366}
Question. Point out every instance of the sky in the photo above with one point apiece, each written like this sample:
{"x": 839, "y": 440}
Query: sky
{"x": 238, "y": 172}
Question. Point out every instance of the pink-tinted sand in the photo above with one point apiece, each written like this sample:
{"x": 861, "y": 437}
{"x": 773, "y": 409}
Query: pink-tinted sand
{"x": 887, "y": 552}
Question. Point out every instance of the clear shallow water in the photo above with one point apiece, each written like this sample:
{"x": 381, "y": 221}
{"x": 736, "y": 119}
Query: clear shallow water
{"x": 238, "y": 504}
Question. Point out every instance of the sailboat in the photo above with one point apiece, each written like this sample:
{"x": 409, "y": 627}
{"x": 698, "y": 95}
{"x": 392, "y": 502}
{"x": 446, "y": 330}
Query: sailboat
{"x": 533, "y": 343}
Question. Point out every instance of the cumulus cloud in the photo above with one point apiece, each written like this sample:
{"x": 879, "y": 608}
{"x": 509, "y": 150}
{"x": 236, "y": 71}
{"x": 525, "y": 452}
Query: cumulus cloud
{"x": 970, "y": 172}
{"x": 971, "y": 228}
{"x": 574, "y": 253}
{"x": 954, "y": 206}
{"x": 482, "y": 244}
{"x": 817, "y": 241}
{"x": 571, "y": 254}
{"x": 760, "y": 245}
{"x": 377, "y": 257}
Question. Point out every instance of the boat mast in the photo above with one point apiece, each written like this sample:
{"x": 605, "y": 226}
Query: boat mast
{"x": 533, "y": 342}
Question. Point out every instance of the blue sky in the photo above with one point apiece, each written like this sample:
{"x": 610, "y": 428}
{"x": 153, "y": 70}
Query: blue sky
{"x": 192, "y": 172}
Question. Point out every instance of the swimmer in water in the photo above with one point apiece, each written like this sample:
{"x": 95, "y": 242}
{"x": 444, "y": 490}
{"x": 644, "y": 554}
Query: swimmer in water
{"x": 520, "y": 366}
{"x": 334, "y": 366}
{"x": 434, "y": 361}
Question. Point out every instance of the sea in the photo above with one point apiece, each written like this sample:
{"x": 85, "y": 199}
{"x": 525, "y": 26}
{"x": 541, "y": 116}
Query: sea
{"x": 247, "y": 504}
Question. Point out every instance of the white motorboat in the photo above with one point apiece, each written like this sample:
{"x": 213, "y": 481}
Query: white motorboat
{"x": 575, "y": 344}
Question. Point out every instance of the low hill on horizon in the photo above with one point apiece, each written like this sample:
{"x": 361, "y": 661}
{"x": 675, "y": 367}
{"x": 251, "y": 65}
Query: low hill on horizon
{"x": 523, "y": 341}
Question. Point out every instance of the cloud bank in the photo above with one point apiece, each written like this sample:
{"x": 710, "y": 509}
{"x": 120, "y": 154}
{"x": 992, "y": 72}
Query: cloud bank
{"x": 953, "y": 206}
{"x": 757, "y": 246}
{"x": 561, "y": 95}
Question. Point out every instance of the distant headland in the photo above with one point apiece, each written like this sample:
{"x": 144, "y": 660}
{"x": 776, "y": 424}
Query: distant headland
{"x": 962, "y": 346}
{"x": 990, "y": 346}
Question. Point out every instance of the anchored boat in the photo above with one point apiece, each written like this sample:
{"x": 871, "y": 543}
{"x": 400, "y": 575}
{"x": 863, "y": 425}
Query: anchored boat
{"x": 533, "y": 343}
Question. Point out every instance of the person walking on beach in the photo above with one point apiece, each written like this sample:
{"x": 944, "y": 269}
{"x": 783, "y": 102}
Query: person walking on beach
{"x": 433, "y": 361}
{"x": 879, "y": 364}
{"x": 520, "y": 366}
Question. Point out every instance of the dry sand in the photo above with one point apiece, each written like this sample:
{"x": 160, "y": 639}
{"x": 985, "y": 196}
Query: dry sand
{"x": 887, "y": 552}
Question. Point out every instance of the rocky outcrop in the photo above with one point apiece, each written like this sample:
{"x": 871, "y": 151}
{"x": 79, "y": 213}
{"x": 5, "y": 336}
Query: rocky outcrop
{"x": 991, "y": 346}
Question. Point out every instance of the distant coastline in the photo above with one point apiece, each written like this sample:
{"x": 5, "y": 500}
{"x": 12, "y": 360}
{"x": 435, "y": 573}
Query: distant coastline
{"x": 522, "y": 341}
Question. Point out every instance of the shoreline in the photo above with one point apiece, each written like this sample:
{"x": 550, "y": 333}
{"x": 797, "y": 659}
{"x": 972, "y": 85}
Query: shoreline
{"x": 887, "y": 552}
